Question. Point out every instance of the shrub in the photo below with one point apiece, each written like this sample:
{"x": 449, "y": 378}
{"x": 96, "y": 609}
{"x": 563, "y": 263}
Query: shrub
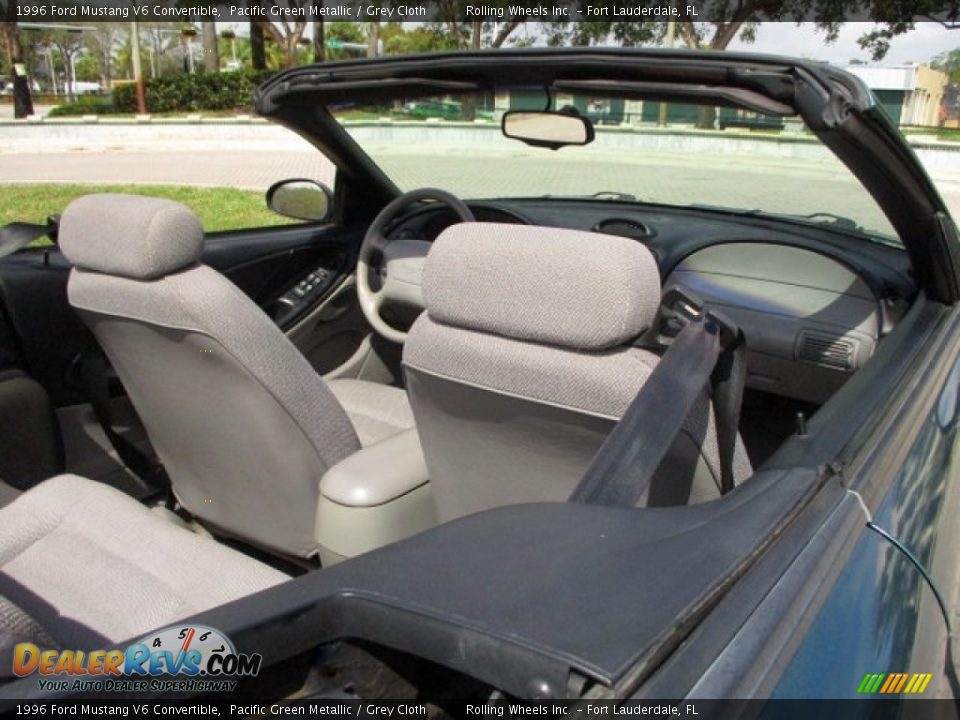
{"x": 191, "y": 93}
{"x": 84, "y": 107}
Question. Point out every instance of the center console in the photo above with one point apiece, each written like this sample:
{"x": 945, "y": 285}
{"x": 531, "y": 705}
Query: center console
{"x": 374, "y": 497}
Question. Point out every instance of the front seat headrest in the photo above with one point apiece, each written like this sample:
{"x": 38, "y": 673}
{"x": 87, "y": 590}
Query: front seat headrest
{"x": 130, "y": 235}
{"x": 566, "y": 288}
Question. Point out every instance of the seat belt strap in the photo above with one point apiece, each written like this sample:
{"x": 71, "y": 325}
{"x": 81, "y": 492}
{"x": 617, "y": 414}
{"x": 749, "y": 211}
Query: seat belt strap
{"x": 624, "y": 467}
{"x": 728, "y": 381}
{"x": 97, "y": 384}
{"x": 17, "y": 235}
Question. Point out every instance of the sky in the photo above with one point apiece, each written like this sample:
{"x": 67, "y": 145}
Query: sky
{"x": 920, "y": 45}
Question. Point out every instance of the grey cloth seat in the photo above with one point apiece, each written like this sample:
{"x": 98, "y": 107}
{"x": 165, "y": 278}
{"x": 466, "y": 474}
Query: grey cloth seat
{"x": 243, "y": 425}
{"x": 522, "y": 363}
{"x": 82, "y": 563}
{"x": 376, "y": 411}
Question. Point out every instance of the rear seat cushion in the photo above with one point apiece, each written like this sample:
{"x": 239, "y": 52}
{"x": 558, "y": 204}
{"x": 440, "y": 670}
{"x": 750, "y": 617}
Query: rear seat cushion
{"x": 91, "y": 565}
{"x": 17, "y": 626}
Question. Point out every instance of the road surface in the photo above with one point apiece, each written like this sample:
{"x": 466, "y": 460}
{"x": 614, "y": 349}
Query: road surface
{"x": 785, "y": 185}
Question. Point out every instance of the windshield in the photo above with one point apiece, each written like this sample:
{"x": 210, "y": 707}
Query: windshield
{"x": 671, "y": 154}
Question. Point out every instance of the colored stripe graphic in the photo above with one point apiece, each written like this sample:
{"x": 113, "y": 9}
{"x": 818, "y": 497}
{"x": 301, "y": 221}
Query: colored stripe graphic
{"x": 915, "y": 680}
{"x": 891, "y": 679}
{"x": 894, "y": 683}
{"x": 868, "y": 682}
{"x": 899, "y": 686}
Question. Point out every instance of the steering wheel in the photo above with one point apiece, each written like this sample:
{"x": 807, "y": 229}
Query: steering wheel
{"x": 401, "y": 264}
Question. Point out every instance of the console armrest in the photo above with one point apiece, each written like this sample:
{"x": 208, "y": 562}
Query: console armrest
{"x": 378, "y": 473}
{"x": 375, "y": 497}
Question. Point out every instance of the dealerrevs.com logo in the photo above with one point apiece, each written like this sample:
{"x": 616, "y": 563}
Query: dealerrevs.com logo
{"x": 192, "y": 658}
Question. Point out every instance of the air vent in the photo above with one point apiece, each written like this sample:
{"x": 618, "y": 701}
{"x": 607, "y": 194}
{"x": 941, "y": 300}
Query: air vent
{"x": 624, "y": 228}
{"x": 827, "y": 350}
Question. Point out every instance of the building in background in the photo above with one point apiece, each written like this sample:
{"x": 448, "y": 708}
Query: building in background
{"x": 911, "y": 94}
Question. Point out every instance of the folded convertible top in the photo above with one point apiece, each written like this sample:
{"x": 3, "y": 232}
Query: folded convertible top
{"x": 538, "y": 599}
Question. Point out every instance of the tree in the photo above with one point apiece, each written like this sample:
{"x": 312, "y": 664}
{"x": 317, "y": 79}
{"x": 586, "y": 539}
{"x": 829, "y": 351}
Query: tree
{"x": 69, "y": 44}
{"x": 398, "y": 40}
{"x": 744, "y": 18}
{"x": 87, "y": 69}
{"x": 373, "y": 38}
{"x": 13, "y": 48}
{"x": 341, "y": 32}
{"x": 319, "y": 36}
{"x": 211, "y": 50}
{"x": 892, "y": 18}
{"x": 625, "y": 34}
{"x": 900, "y": 16}
{"x": 258, "y": 52}
{"x": 474, "y": 34}
{"x": 157, "y": 39}
{"x": 949, "y": 63}
{"x": 101, "y": 42}
{"x": 285, "y": 33}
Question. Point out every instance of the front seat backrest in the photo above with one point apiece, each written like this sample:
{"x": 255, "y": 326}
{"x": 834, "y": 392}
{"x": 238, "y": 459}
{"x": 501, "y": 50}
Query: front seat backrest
{"x": 242, "y": 423}
{"x": 522, "y": 363}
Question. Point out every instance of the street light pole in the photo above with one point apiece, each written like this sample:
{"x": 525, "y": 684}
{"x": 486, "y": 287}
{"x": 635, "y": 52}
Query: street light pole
{"x": 137, "y": 70}
{"x": 53, "y": 73}
{"x": 671, "y": 31}
{"x": 73, "y": 77}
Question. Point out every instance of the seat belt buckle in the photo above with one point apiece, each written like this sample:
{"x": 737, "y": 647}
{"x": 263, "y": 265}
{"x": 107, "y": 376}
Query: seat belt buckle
{"x": 680, "y": 306}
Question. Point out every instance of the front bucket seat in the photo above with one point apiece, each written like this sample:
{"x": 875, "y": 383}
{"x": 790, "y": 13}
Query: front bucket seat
{"x": 243, "y": 425}
{"x": 524, "y": 361}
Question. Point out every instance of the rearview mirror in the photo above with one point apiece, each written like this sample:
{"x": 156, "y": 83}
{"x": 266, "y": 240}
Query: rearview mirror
{"x": 301, "y": 199}
{"x": 547, "y": 129}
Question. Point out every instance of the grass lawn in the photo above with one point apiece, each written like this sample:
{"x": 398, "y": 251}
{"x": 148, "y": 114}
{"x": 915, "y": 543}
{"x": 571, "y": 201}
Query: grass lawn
{"x": 949, "y": 134}
{"x": 217, "y": 208}
{"x": 945, "y": 134}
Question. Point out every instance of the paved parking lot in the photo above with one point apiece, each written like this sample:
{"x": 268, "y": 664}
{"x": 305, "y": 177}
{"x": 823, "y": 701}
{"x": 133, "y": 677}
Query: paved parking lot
{"x": 249, "y": 170}
{"x": 786, "y": 185}
{"x": 781, "y": 184}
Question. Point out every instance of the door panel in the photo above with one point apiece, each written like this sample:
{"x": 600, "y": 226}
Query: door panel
{"x": 305, "y": 285}
{"x": 42, "y": 333}
{"x": 333, "y": 330}
{"x": 46, "y": 336}
{"x": 266, "y": 263}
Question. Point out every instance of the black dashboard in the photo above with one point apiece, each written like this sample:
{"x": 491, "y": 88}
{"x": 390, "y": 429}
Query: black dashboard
{"x": 813, "y": 303}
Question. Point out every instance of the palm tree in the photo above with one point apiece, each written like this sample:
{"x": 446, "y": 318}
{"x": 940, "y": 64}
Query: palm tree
{"x": 258, "y": 51}
{"x": 319, "y": 37}
{"x": 211, "y": 51}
